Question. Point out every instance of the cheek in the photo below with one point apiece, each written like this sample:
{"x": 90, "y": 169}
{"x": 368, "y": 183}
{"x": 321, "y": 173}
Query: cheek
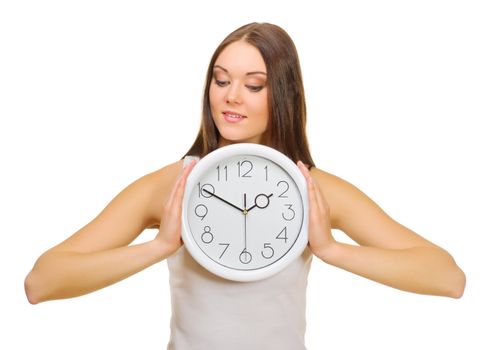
{"x": 262, "y": 108}
{"x": 213, "y": 96}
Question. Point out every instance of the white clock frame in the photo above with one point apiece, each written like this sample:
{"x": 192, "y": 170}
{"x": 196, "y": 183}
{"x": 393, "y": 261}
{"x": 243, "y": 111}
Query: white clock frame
{"x": 201, "y": 168}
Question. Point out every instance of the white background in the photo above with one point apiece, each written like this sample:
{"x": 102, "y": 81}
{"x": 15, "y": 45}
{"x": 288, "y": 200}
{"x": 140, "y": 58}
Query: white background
{"x": 95, "y": 94}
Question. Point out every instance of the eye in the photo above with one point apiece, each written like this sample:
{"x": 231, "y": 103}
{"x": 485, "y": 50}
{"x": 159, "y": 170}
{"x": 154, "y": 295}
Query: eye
{"x": 254, "y": 88}
{"x": 221, "y": 83}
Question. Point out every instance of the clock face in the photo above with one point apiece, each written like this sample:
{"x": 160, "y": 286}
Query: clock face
{"x": 243, "y": 212}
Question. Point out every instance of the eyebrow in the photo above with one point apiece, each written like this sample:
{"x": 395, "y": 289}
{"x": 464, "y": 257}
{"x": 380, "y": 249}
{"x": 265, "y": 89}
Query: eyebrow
{"x": 249, "y": 73}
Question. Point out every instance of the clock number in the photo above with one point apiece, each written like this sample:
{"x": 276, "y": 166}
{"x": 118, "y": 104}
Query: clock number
{"x": 207, "y": 187}
{"x": 291, "y": 215}
{"x": 201, "y": 211}
{"x": 266, "y": 173}
{"x": 245, "y": 257}
{"x": 207, "y": 237}
{"x": 270, "y": 252}
{"x": 225, "y": 244}
{"x": 283, "y": 236}
{"x": 282, "y": 184}
{"x": 225, "y": 170}
{"x": 244, "y": 168}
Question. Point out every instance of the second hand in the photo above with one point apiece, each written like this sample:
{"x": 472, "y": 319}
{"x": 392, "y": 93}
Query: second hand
{"x": 245, "y": 215}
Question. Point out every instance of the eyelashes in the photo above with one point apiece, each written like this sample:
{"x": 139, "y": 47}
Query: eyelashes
{"x": 221, "y": 83}
{"x": 252, "y": 88}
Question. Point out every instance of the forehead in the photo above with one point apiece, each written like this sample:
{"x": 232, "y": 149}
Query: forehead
{"x": 240, "y": 58}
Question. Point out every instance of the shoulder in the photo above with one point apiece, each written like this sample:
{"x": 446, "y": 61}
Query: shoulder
{"x": 137, "y": 207}
{"x": 143, "y": 199}
{"x": 158, "y": 181}
{"x": 357, "y": 215}
{"x": 158, "y": 185}
{"x": 328, "y": 182}
{"x": 163, "y": 177}
{"x": 341, "y": 196}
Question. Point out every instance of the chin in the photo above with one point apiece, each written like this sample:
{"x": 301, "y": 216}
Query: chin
{"x": 226, "y": 139}
{"x": 233, "y": 134}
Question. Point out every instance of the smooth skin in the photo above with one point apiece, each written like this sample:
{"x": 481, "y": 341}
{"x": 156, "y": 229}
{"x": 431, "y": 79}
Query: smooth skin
{"x": 100, "y": 254}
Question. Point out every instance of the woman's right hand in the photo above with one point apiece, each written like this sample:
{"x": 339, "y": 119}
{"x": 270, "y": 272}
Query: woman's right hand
{"x": 169, "y": 235}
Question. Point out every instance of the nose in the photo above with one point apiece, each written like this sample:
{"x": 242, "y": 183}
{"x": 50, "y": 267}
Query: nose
{"x": 233, "y": 94}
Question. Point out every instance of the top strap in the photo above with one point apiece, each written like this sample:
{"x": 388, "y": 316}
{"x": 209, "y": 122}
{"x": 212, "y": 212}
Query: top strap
{"x": 188, "y": 159}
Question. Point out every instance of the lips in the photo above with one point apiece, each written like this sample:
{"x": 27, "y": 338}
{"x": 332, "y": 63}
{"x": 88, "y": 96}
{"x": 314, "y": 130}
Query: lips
{"x": 233, "y": 117}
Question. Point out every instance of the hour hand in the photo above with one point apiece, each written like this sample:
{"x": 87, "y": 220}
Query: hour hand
{"x": 223, "y": 200}
{"x": 261, "y": 201}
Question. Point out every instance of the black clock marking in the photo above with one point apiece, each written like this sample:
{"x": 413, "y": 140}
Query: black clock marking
{"x": 285, "y": 183}
{"x": 245, "y": 257}
{"x": 291, "y": 213}
{"x": 285, "y": 236}
{"x": 207, "y": 237}
{"x": 225, "y": 171}
{"x": 201, "y": 211}
{"x": 244, "y": 168}
{"x": 270, "y": 251}
{"x": 206, "y": 190}
{"x": 226, "y": 248}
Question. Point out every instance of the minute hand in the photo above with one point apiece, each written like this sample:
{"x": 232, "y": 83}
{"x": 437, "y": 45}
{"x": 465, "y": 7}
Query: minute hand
{"x": 221, "y": 199}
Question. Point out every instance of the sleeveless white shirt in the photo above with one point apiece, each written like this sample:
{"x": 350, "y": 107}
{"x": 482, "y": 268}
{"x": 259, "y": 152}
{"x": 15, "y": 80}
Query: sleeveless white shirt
{"x": 212, "y": 313}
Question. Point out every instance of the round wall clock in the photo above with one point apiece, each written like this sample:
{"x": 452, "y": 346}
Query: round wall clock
{"x": 245, "y": 212}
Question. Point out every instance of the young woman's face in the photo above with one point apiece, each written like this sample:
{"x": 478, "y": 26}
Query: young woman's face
{"x": 238, "y": 94}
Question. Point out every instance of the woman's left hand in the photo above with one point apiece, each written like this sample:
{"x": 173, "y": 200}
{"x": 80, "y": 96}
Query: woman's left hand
{"x": 320, "y": 230}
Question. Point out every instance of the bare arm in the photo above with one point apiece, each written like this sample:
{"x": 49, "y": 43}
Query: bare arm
{"x": 99, "y": 254}
{"x": 420, "y": 269}
{"x": 388, "y": 252}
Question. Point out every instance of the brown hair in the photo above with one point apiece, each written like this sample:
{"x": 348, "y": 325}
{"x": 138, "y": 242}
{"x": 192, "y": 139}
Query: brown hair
{"x": 287, "y": 108}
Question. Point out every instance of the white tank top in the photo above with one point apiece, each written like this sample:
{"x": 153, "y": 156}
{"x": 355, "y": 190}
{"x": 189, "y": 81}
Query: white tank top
{"x": 212, "y": 313}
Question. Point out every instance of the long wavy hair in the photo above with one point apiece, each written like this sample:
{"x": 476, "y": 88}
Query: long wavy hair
{"x": 287, "y": 108}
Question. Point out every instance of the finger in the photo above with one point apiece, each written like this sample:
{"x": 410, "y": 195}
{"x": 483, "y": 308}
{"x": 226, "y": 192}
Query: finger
{"x": 180, "y": 183}
{"x": 318, "y": 195}
{"x": 179, "y": 194}
{"x": 320, "y": 210}
{"x": 312, "y": 194}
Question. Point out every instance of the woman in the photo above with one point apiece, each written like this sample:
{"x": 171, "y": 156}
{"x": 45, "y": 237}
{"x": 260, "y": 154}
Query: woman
{"x": 254, "y": 93}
